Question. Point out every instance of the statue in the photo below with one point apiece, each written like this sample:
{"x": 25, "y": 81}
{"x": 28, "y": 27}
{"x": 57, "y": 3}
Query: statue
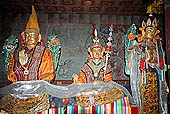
{"x": 93, "y": 70}
{"x": 97, "y": 70}
{"x": 146, "y": 66}
{"x": 33, "y": 96}
{"x": 32, "y": 61}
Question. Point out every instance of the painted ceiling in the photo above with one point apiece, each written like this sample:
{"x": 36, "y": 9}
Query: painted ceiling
{"x": 117, "y": 7}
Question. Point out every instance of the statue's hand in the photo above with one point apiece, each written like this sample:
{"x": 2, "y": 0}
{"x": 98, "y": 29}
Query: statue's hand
{"x": 75, "y": 78}
{"x": 23, "y": 58}
{"x": 12, "y": 77}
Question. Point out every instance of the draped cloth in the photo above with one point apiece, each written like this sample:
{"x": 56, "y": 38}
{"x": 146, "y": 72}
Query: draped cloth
{"x": 135, "y": 78}
{"x": 24, "y": 93}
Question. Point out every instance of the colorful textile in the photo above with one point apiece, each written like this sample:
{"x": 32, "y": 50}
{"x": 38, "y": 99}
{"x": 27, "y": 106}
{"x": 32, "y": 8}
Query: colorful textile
{"x": 120, "y": 106}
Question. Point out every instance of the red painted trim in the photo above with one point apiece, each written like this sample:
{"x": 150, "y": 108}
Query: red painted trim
{"x": 134, "y": 110}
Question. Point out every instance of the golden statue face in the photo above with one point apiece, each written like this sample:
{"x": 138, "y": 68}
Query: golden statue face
{"x": 31, "y": 37}
{"x": 150, "y": 32}
{"x": 96, "y": 53}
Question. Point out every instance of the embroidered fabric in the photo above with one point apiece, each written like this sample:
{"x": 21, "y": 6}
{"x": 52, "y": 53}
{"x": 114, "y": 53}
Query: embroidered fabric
{"x": 30, "y": 89}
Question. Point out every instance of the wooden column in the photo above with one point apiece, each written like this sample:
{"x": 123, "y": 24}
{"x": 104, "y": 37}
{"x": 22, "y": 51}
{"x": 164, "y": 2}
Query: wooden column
{"x": 167, "y": 35}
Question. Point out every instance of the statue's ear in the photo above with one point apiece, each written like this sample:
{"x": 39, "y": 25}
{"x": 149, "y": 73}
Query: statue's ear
{"x": 22, "y": 39}
{"x": 23, "y": 35}
{"x": 39, "y": 37}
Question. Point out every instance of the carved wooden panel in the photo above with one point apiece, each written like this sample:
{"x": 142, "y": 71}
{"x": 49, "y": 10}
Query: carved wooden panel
{"x": 120, "y": 7}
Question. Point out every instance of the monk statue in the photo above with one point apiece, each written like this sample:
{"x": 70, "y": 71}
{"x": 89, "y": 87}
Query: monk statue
{"x": 96, "y": 71}
{"x": 32, "y": 61}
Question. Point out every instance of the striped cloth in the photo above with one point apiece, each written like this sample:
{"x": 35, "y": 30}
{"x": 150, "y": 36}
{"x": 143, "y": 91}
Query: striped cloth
{"x": 120, "y": 106}
{"x": 49, "y": 111}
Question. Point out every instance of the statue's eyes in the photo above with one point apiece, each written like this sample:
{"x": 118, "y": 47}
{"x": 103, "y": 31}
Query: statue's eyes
{"x": 29, "y": 34}
{"x": 33, "y": 34}
{"x": 26, "y": 35}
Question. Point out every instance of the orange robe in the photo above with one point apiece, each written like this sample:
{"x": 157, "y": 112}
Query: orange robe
{"x": 45, "y": 70}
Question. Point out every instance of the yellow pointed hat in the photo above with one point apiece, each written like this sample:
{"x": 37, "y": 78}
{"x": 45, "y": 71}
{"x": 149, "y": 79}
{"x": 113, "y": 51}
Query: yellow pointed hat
{"x": 33, "y": 22}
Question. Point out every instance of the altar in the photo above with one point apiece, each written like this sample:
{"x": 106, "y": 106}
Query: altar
{"x": 27, "y": 90}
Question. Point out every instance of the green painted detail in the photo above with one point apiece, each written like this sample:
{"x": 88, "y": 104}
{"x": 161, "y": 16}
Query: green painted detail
{"x": 96, "y": 75}
{"x": 128, "y": 44}
{"x": 160, "y": 50}
{"x": 55, "y": 48}
{"x": 9, "y": 46}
